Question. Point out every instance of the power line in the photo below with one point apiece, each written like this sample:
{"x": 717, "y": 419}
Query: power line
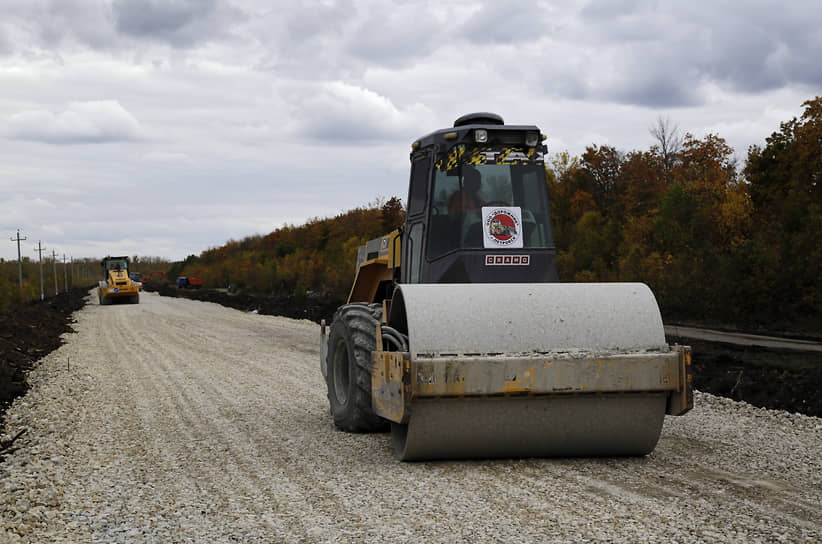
{"x": 19, "y": 260}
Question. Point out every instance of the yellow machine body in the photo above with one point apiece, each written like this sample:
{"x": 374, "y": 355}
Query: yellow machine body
{"x": 458, "y": 336}
{"x": 512, "y": 370}
{"x": 376, "y": 263}
{"x": 116, "y": 285}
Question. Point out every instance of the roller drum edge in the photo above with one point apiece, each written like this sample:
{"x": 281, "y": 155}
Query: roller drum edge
{"x": 560, "y": 426}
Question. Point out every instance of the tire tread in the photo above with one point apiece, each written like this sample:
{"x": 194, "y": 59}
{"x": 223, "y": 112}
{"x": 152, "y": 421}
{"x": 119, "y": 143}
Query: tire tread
{"x": 357, "y": 323}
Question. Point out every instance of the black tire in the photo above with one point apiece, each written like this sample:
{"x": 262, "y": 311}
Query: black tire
{"x": 350, "y": 342}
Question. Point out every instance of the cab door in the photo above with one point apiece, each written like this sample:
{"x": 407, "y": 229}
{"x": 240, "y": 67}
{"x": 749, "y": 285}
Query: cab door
{"x": 413, "y": 239}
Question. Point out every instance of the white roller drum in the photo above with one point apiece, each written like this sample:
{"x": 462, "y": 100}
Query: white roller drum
{"x": 548, "y": 317}
{"x": 526, "y": 318}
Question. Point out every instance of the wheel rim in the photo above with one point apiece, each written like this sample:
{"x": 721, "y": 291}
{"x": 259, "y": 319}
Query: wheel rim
{"x": 342, "y": 372}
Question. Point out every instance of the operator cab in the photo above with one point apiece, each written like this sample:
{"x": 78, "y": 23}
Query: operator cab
{"x": 115, "y": 263}
{"x": 478, "y": 206}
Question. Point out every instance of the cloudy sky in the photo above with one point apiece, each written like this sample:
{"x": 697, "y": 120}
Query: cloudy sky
{"x": 164, "y": 127}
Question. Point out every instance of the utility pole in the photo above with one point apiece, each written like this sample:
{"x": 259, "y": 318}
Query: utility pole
{"x": 54, "y": 267}
{"x": 39, "y": 249}
{"x": 19, "y": 261}
{"x": 71, "y": 262}
{"x": 65, "y": 275}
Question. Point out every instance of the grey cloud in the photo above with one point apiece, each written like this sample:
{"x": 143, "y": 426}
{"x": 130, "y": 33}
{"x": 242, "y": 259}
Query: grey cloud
{"x": 118, "y": 24}
{"x": 769, "y": 49}
{"x": 85, "y": 21}
{"x": 664, "y": 54}
{"x": 6, "y": 46}
{"x": 609, "y": 10}
{"x": 654, "y": 91}
{"x": 395, "y": 34}
{"x": 735, "y": 55}
{"x": 341, "y": 40}
{"x": 506, "y": 23}
{"x": 301, "y": 41}
{"x": 181, "y": 23}
{"x": 349, "y": 115}
{"x": 804, "y": 69}
{"x": 305, "y": 22}
{"x": 99, "y": 121}
{"x": 630, "y": 84}
{"x": 49, "y": 24}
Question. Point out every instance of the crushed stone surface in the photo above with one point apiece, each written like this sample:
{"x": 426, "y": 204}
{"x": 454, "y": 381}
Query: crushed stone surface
{"x": 184, "y": 421}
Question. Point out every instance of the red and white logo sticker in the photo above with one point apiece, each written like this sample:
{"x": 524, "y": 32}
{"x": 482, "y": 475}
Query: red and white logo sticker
{"x": 507, "y": 260}
{"x": 503, "y": 226}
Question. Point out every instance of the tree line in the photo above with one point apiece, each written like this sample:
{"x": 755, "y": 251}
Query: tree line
{"x": 717, "y": 241}
{"x": 317, "y": 257}
{"x": 73, "y": 273}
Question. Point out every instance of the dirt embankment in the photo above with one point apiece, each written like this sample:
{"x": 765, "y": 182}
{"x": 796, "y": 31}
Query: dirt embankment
{"x": 310, "y": 307}
{"x": 28, "y": 332}
{"x": 770, "y": 378}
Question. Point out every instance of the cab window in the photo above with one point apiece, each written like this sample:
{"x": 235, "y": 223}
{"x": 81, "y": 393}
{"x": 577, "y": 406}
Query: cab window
{"x": 472, "y": 178}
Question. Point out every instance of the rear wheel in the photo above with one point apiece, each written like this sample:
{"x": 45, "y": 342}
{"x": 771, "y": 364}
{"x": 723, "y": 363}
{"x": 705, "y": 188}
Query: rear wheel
{"x": 350, "y": 343}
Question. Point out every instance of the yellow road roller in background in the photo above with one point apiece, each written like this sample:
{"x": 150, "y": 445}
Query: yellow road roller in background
{"x": 458, "y": 336}
{"x": 116, "y": 285}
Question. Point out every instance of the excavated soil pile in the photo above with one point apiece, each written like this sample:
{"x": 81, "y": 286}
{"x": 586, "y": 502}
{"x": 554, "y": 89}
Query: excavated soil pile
{"x": 770, "y": 378}
{"x": 309, "y": 307}
{"x": 29, "y": 332}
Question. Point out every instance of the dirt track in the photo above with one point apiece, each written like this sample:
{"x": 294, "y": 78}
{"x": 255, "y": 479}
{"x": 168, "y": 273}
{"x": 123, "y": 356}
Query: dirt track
{"x": 184, "y": 421}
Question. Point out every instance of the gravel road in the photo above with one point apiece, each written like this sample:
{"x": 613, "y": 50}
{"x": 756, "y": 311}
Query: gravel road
{"x": 184, "y": 421}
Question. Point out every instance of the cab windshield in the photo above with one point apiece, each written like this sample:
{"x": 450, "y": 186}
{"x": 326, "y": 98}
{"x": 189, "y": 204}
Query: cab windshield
{"x": 117, "y": 264}
{"x": 487, "y": 197}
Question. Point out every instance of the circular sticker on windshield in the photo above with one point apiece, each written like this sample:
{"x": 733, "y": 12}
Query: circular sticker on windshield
{"x": 502, "y": 227}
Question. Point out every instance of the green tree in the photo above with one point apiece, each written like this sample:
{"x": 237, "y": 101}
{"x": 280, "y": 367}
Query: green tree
{"x": 786, "y": 196}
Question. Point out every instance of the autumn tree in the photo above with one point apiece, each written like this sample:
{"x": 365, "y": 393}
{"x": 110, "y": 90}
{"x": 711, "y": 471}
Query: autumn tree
{"x": 668, "y": 144}
{"x": 319, "y": 255}
{"x": 392, "y": 214}
{"x": 786, "y": 195}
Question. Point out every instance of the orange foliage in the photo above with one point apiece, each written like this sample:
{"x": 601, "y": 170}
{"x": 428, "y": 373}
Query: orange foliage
{"x": 318, "y": 256}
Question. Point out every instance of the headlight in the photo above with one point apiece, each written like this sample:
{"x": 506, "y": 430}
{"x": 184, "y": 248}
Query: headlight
{"x": 481, "y": 135}
{"x": 531, "y": 139}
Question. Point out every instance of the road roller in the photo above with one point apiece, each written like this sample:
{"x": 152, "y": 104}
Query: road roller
{"x": 458, "y": 337}
{"x": 117, "y": 285}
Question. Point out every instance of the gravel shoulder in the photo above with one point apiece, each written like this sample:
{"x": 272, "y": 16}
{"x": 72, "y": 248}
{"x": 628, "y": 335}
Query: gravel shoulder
{"x": 184, "y": 421}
